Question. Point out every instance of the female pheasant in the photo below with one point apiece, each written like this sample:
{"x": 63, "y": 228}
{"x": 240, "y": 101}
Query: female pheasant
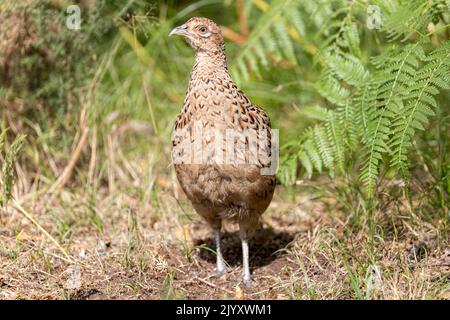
{"x": 223, "y": 177}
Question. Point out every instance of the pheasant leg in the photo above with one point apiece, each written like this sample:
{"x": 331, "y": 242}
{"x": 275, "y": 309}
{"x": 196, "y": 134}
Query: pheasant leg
{"x": 245, "y": 261}
{"x": 220, "y": 263}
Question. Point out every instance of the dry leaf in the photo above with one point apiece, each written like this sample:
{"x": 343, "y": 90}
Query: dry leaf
{"x": 23, "y": 236}
{"x": 238, "y": 293}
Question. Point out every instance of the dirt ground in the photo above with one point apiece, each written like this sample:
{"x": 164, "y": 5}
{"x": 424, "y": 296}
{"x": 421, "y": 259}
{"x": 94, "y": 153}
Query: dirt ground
{"x": 125, "y": 247}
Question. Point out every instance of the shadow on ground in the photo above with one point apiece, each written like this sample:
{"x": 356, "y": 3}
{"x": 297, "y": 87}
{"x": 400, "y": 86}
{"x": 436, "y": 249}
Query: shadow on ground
{"x": 266, "y": 246}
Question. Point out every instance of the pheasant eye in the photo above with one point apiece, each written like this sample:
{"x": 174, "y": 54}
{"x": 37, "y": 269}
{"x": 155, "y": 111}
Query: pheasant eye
{"x": 202, "y": 29}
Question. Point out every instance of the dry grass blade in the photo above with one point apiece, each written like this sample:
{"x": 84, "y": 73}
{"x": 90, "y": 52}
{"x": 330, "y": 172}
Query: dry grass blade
{"x": 233, "y": 36}
{"x": 68, "y": 170}
{"x": 48, "y": 235}
{"x": 149, "y": 104}
{"x": 243, "y": 23}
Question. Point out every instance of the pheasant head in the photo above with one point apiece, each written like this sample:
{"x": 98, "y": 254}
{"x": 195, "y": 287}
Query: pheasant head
{"x": 204, "y": 35}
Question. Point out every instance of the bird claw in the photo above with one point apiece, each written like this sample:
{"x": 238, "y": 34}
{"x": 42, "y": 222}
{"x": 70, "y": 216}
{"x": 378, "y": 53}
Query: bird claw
{"x": 219, "y": 273}
{"x": 249, "y": 283}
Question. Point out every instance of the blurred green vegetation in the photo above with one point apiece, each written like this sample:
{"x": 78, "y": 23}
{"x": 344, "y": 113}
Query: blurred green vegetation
{"x": 307, "y": 63}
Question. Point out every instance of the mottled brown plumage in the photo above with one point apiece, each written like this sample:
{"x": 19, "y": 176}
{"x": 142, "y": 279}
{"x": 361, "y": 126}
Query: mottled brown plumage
{"x": 221, "y": 190}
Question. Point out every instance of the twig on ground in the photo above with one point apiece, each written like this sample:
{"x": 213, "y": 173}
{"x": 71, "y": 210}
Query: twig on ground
{"x": 213, "y": 285}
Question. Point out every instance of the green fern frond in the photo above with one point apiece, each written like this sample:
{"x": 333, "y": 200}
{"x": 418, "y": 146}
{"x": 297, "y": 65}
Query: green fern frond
{"x": 377, "y": 106}
{"x": 346, "y": 67}
{"x": 392, "y": 87}
{"x": 330, "y": 88}
{"x": 339, "y": 30}
{"x": 349, "y": 120}
{"x": 312, "y": 152}
{"x": 335, "y": 135}
{"x": 408, "y": 18}
{"x": 270, "y": 37}
{"x": 434, "y": 75}
{"x": 324, "y": 147}
{"x": 314, "y": 112}
{"x": 287, "y": 172}
{"x": 351, "y": 36}
{"x": 282, "y": 35}
{"x": 306, "y": 162}
{"x": 363, "y": 102}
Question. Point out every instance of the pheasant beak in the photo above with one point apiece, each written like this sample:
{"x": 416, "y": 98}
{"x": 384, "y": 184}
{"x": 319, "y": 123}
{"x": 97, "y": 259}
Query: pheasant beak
{"x": 180, "y": 30}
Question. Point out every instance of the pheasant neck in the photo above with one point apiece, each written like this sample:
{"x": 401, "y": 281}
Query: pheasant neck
{"x": 211, "y": 60}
